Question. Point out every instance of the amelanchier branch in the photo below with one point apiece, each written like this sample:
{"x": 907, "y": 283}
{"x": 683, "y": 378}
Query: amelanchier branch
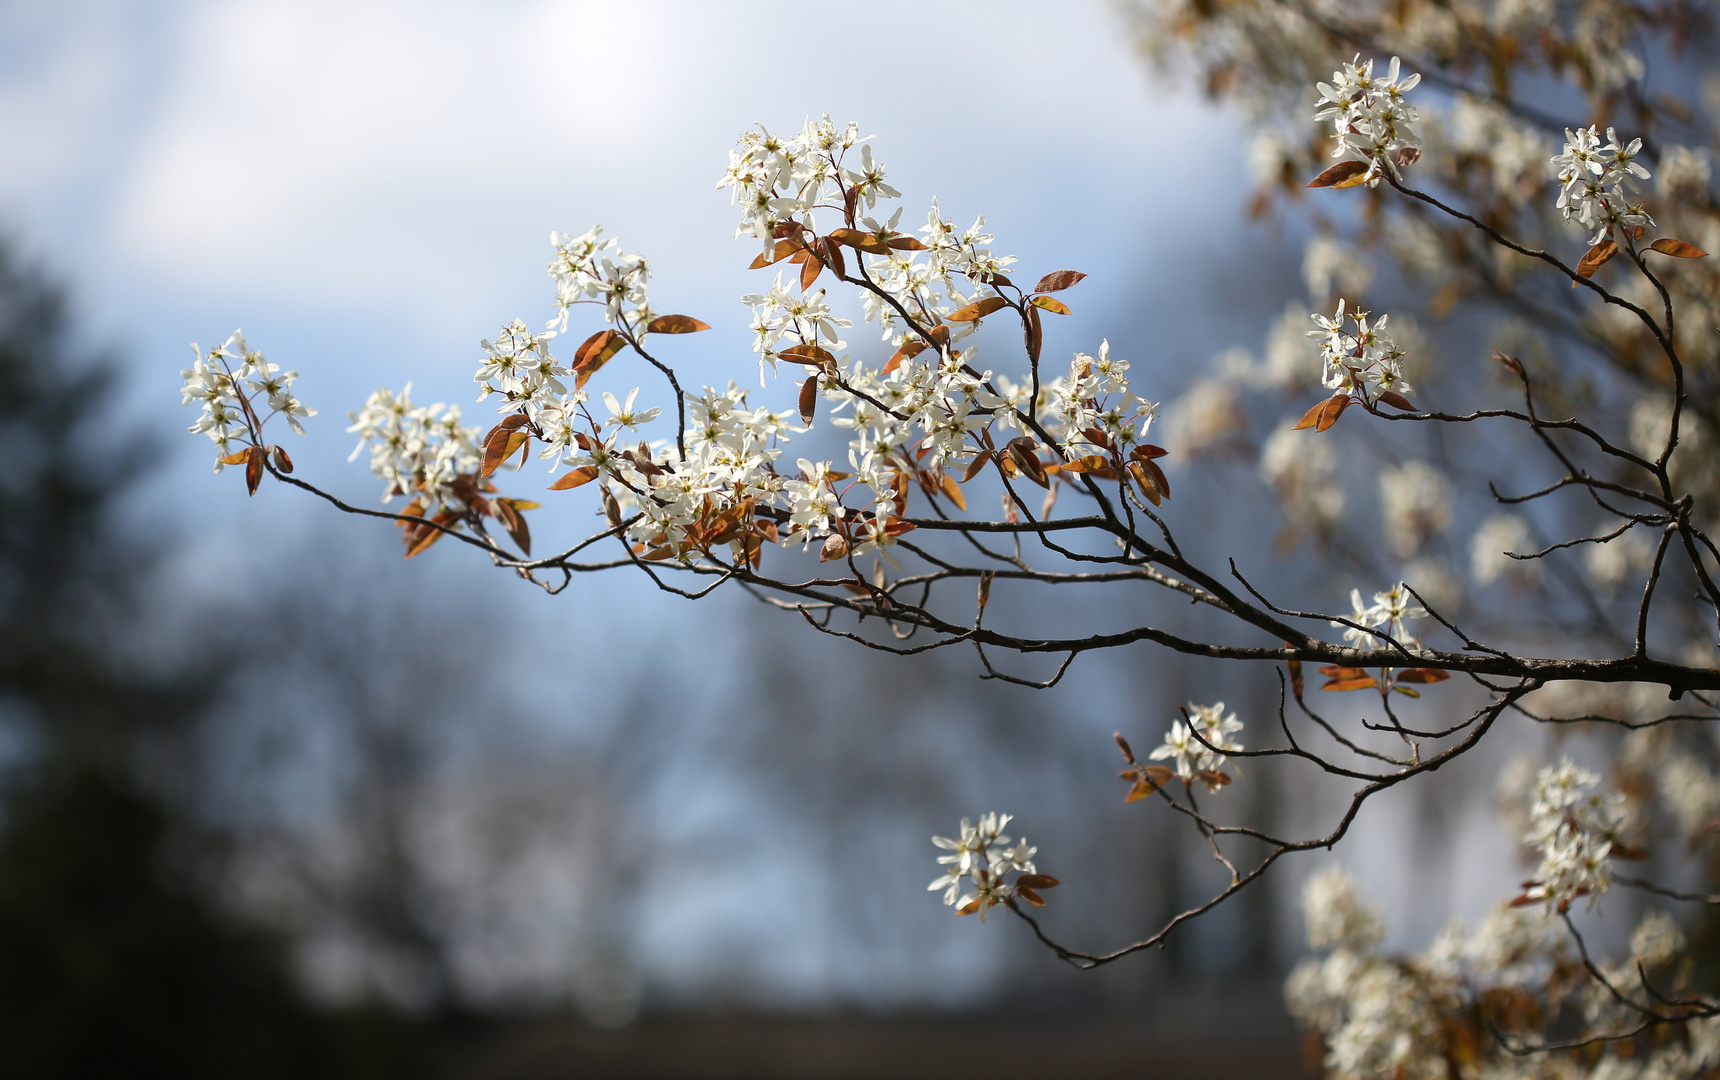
{"x": 929, "y": 429}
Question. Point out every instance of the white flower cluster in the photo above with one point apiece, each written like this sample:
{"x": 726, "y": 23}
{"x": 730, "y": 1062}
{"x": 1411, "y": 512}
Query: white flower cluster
{"x": 916, "y": 284}
{"x": 1371, "y": 121}
{"x": 1592, "y": 182}
{"x": 1573, "y": 827}
{"x": 588, "y": 269}
{"x": 1389, "y": 614}
{"x": 979, "y": 861}
{"x": 1375, "y": 1015}
{"x": 418, "y": 450}
{"x": 1208, "y": 724}
{"x": 228, "y": 382}
{"x": 1415, "y": 503}
{"x": 1363, "y": 359}
{"x": 926, "y": 408}
{"x": 1439, "y": 1014}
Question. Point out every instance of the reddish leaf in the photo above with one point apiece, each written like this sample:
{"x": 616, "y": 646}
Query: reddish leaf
{"x": 1296, "y": 684}
{"x": 1397, "y": 401}
{"x": 282, "y": 461}
{"x": 420, "y": 537}
{"x": 499, "y": 447}
{"x": 1025, "y": 453}
{"x": 1595, "y": 258}
{"x": 834, "y": 548}
{"x": 1138, "y": 470}
{"x": 1325, "y": 414}
{"x": 954, "y": 492}
{"x": 906, "y": 243}
{"x": 253, "y": 468}
{"x": 675, "y": 324}
{"x": 1680, "y": 249}
{"x": 1027, "y": 893}
{"x": 1350, "y": 679}
{"x": 810, "y": 355}
{"x": 1212, "y": 778}
{"x": 808, "y": 398}
{"x": 1423, "y": 675}
{"x": 1511, "y": 362}
{"x": 1123, "y": 745}
{"x": 1141, "y": 790}
{"x": 237, "y": 457}
{"x": 865, "y": 241}
{"x": 1343, "y": 174}
{"x": 1038, "y": 881}
{"x": 975, "y": 466}
{"x": 1051, "y": 304}
{"x": 1033, "y": 335}
{"x": 515, "y": 523}
{"x": 979, "y": 310}
{"x": 514, "y": 422}
{"x": 784, "y": 248}
{"x": 809, "y": 270}
{"x": 576, "y": 478}
{"x": 1058, "y": 280}
{"x": 908, "y": 351}
{"x": 594, "y": 353}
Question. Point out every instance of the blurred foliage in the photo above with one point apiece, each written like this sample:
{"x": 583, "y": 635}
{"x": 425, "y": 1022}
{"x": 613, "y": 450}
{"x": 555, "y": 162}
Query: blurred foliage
{"x": 115, "y": 959}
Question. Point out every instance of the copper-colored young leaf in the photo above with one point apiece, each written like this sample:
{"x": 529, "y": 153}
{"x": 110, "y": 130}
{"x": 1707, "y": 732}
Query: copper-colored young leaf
{"x": 1296, "y": 684}
{"x": 1058, "y": 280}
{"x": 1397, "y": 401}
{"x": 1350, "y": 679}
{"x": 237, "y": 457}
{"x": 1160, "y": 480}
{"x": 1325, "y": 414}
{"x": 1159, "y": 774}
{"x": 594, "y": 353}
{"x": 1038, "y": 881}
{"x": 810, "y": 355}
{"x": 1595, "y": 258}
{"x": 1343, "y": 174}
{"x": 1148, "y": 450}
{"x": 1027, "y": 893}
{"x": 979, "y": 309}
{"x": 908, "y": 351}
{"x": 979, "y": 462}
{"x": 676, "y": 324}
{"x": 499, "y": 446}
{"x": 1123, "y": 745}
{"x": 954, "y": 492}
{"x": 1024, "y": 452}
{"x": 515, "y": 523}
{"x": 834, "y": 548}
{"x": 985, "y": 588}
{"x": 514, "y": 421}
{"x": 970, "y": 907}
{"x": 905, "y": 243}
{"x": 1051, "y": 304}
{"x": 421, "y": 536}
{"x": 1213, "y": 778}
{"x": 253, "y": 468}
{"x": 784, "y": 248}
{"x": 1138, "y": 470}
{"x": 808, "y": 398}
{"x": 809, "y": 270}
{"x": 865, "y": 241}
{"x": 1511, "y": 362}
{"x": 578, "y": 477}
{"x": 1423, "y": 675}
{"x": 1032, "y": 334}
{"x": 283, "y": 462}
{"x": 1679, "y": 249}
{"x": 1141, "y": 790}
